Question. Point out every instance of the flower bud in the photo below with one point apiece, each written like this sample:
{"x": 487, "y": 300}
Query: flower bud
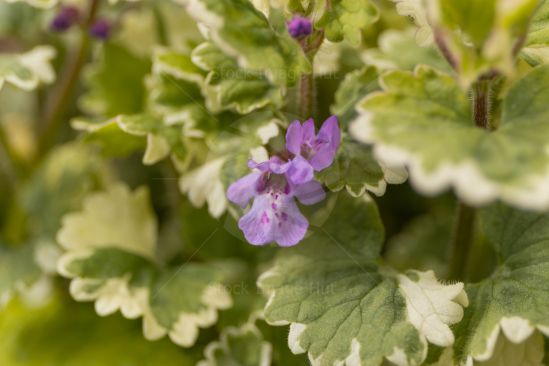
{"x": 101, "y": 29}
{"x": 66, "y": 18}
{"x": 300, "y": 27}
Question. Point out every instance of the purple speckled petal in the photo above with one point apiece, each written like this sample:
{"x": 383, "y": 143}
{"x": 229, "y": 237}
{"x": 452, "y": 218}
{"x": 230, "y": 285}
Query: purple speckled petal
{"x": 300, "y": 171}
{"x": 326, "y": 144}
{"x": 291, "y": 226}
{"x": 294, "y": 137}
{"x": 308, "y": 130}
{"x": 277, "y": 220}
{"x": 309, "y": 193}
{"x": 241, "y": 191}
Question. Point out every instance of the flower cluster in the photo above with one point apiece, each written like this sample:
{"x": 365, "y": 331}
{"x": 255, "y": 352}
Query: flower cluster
{"x": 274, "y": 184}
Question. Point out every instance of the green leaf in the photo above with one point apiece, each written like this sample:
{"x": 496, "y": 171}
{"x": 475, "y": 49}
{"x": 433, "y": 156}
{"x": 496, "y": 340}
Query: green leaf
{"x": 233, "y": 88}
{"x": 28, "y": 70}
{"x": 355, "y": 169}
{"x": 514, "y": 298}
{"x": 427, "y": 235}
{"x": 160, "y": 138}
{"x": 65, "y": 333}
{"x": 58, "y": 186}
{"x": 243, "y": 346}
{"x": 18, "y": 270}
{"x": 115, "y": 82}
{"x": 244, "y": 33}
{"x": 536, "y": 50}
{"x": 345, "y": 19}
{"x": 110, "y": 257}
{"x": 354, "y": 87}
{"x": 423, "y": 120}
{"x": 397, "y": 50}
{"x": 343, "y": 307}
{"x": 528, "y": 353}
{"x": 179, "y": 65}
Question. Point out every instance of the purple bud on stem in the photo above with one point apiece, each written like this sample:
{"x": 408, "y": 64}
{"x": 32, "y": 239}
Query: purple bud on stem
{"x": 101, "y": 29}
{"x": 65, "y": 19}
{"x": 300, "y": 27}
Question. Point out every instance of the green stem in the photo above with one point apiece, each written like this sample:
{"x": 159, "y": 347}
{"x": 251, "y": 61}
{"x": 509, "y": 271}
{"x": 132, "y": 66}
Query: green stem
{"x": 481, "y": 103}
{"x": 306, "y": 96}
{"x": 463, "y": 233}
{"x": 60, "y": 102}
{"x": 461, "y": 241}
{"x": 306, "y": 88}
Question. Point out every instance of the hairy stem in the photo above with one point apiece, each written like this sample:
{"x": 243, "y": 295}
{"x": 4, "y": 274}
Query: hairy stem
{"x": 306, "y": 96}
{"x": 306, "y": 88}
{"x": 481, "y": 103}
{"x": 59, "y": 103}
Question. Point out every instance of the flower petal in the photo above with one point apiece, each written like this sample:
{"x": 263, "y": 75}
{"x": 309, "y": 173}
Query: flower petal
{"x": 271, "y": 219}
{"x": 309, "y": 193}
{"x": 278, "y": 166}
{"x": 292, "y": 225}
{"x": 308, "y": 130}
{"x": 330, "y": 132}
{"x": 257, "y": 223}
{"x": 300, "y": 171}
{"x": 241, "y": 191}
{"x": 294, "y": 137}
{"x": 326, "y": 144}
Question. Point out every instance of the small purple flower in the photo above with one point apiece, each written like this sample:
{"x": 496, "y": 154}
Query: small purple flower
{"x": 276, "y": 183}
{"x": 300, "y": 27}
{"x": 274, "y": 216}
{"x": 101, "y": 29}
{"x": 312, "y": 152}
{"x": 66, "y": 18}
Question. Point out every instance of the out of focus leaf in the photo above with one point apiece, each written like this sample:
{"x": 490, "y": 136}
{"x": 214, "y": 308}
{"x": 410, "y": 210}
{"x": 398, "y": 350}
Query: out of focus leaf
{"x": 243, "y": 346}
{"x": 69, "y": 334}
{"x": 424, "y": 120}
{"x": 110, "y": 257}
{"x": 27, "y": 70}
{"x": 345, "y": 19}
{"x": 117, "y": 136}
{"x": 115, "y": 82}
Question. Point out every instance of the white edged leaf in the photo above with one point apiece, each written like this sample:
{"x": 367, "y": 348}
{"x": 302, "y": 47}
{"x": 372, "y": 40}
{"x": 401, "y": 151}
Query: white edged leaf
{"x": 343, "y": 308}
{"x": 110, "y": 257}
{"x": 28, "y": 70}
{"x": 423, "y": 120}
{"x": 242, "y": 346}
{"x": 242, "y": 31}
{"x": 512, "y": 303}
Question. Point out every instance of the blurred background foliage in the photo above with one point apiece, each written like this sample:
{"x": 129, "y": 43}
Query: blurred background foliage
{"x": 41, "y": 182}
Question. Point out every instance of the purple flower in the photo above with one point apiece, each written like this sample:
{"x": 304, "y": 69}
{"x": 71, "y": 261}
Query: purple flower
{"x": 274, "y": 216}
{"x": 300, "y": 27}
{"x": 312, "y": 152}
{"x": 101, "y": 29}
{"x": 66, "y": 18}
